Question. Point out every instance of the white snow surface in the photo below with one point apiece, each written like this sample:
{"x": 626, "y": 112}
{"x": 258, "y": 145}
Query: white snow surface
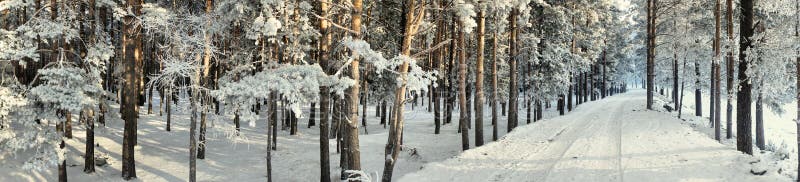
{"x": 164, "y": 156}
{"x": 614, "y": 139}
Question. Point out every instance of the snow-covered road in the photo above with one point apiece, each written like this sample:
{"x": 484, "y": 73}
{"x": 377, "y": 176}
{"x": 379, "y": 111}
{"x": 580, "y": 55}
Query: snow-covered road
{"x": 614, "y": 139}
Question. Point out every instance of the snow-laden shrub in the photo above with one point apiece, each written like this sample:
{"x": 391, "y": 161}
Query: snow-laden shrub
{"x": 356, "y": 176}
{"x": 781, "y": 151}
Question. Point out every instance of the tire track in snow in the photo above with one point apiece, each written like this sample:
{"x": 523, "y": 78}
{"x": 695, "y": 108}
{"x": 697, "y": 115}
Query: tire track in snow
{"x": 569, "y": 129}
{"x": 601, "y": 119}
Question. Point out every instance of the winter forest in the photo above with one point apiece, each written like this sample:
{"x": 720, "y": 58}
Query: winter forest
{"x": 399, "y": 90}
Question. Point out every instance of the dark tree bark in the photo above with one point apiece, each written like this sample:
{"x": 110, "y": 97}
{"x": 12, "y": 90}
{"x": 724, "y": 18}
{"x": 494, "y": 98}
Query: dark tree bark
{"x": 730, "y": 72}
{"x": 324, "y": 142}
{"x": 269, "y": 144}
{"x": 364, "y": 106}
{"x": 494, "y": 86}
{"x": 62, "y": 165}
{"x": 744, "y": 141}
{"x": 569, "y": 93}
{"x": 168, "y": 107}
{"x": 683, "y": 85}
{"x": 651, "y": 51}
{"x": 68, "y": 125}
{"x": 440, "y": 61}
{"x": 675, "y": 78}
{"x": 513, "y": 90}
{"x": 313, "y": 116}
{"x": 383, "y": 113}
{"x": 760, "y": 122}
{"x": 716, "y": 69}
{"x": 133, "y": 58}
{"x": 462, "y": 89}
{"x": 88, "y": 157}
{"x": 698, "y": 110}
{"x": 411, "y": 21}
{"x": 352, "y": 151}
{"x": 273, "y": 115}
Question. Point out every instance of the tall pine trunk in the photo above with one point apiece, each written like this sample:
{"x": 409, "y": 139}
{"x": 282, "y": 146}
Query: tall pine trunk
{"x": 204, "y": 81}
{"x": 651, "y": 39}
{"x": 437, "y": 92}
{"x": 351, "y": 126}
{"x": 462, "y": 88}
{"x": 324, "y": 103}
{"x": 675, "y": 78}
{"x": 494, "y": 86}
{"x": 411, "y": 20}
{"x": 132, "y": 47}
{"x": 513, "y": 90}
{"x": 716, "y": 69}
{"x": 744, "y": 141}
{"x": 730, "y": 72}
{"x": 88, "y": 157}
{"x": 760, "y": 120}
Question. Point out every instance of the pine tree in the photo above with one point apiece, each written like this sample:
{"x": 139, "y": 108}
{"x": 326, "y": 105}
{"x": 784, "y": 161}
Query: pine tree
{"x": 744, "y": 141}
{"x": 512, "y": 63}
{"x": 731, "y": 87}
{"x": 652, "y": 10}
{"x": 479, "y": 97}
{"x": 413, "y": 11}
{"x": 715, "y": 68}
{"x": 132, "y": 46}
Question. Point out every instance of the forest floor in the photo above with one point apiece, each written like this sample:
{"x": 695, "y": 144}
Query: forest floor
{"x": 615, "y": 139}
{"x": 164, "y": 156}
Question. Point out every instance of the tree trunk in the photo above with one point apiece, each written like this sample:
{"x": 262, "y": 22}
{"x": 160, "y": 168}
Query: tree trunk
{"x": 351, "y": 130}
{"x": 462, "y": 91}
{"x": 760, "y": 122}
{"x": 62, "y": 163}
{"x": 237, "y": 122}
{"x": 494, "y": 86}
{"x": 364, "y": 107}
{"x": 273, "y": 114}
{"x": 604, "y": 90}
{"x": 698, "y": 110}
{"x": 513, "y": 92}
{"x": 68, "y": 125}
{"x": 651, "y": 52}
{"x": 744, "y": 141}
{"x": 716, "y": 69}
{"x": 293, "y": 122}
{"x": 569, "y": 93}
{"x": 412, "y": 19}
{"x": 675, "y": 78}
{"x": 132, "y": 47}
{"x": 201, "y": 147}
{"x": 88, "y": 164}
{"x": 192, "y": 141}
{"x": 383, "y": 113}
{"x": 730, "y": 72}
{"x": 269, "y": 144}
{"x": 324, "y": 142}
{"x": 313, "y": 116}
{"x": 683, "y": 85}
{"x": 169, "y": 109}
{"x": 438, "y": 91}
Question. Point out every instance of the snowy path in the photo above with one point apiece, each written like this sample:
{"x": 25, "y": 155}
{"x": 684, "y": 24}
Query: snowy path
{"x": 614, "y": 139}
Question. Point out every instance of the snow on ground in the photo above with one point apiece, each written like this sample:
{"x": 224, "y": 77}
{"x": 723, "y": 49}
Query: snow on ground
{"x": 614, "y": 139}
{"x": 779, "y": 130}
{"x": 164, "y": 156}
